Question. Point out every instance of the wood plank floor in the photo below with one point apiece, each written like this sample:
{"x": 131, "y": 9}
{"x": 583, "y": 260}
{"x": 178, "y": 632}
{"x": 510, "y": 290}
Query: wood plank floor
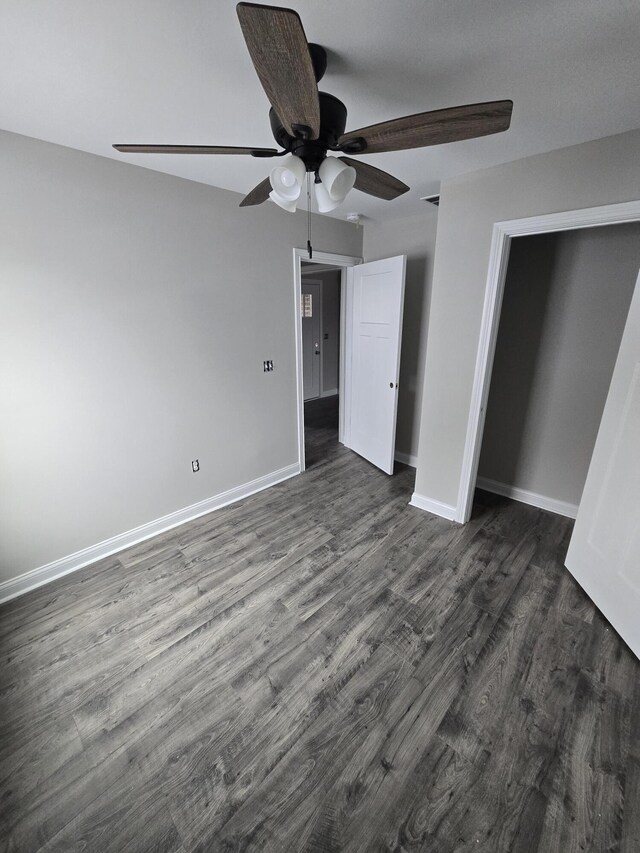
{"x": 322, "y": 668}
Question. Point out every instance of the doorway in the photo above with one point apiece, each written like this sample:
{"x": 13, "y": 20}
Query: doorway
{"x": 503, "y": 235}
{"x": 370, "y": 321}
{"x": 565, "y": 303}
{"x": 312, "y": 268}
{"x": 321, "y": 286}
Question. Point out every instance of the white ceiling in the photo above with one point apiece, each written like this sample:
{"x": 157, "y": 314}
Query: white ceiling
{"x": 87, "y": 73}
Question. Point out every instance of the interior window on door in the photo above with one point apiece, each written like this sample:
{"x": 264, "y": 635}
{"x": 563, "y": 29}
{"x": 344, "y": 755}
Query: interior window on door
{"x": 307, "y": 305}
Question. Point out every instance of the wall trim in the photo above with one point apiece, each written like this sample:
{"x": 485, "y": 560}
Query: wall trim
{"x": 65, "y": 565}
{"x": 332, "y": 392}
{"x": 526, "y": 497}
{"x": 503, "y": 232}
{"x": 406, "y": 458}
{"x": 434, "y": 507}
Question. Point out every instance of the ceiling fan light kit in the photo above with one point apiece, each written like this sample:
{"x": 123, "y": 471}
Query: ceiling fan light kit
{"x": 307, "y": 124}
{"x": 334, "y": 179}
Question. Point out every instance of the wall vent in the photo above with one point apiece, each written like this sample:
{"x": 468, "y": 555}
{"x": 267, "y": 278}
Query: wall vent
{"x": 432, "y": 199}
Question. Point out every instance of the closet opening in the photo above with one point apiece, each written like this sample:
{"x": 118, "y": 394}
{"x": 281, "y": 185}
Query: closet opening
{"x": 564, "y": 307}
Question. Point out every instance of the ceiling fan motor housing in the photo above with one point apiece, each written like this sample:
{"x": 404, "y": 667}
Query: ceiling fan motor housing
{"x": 333, "y": 121}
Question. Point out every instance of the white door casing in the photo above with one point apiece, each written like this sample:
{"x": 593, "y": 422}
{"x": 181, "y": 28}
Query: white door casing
{"x": 345, "y": 263}
{"x": 378, "y": 297}
{"x": 604, "y": 552}
{"x": 311, "y": 341}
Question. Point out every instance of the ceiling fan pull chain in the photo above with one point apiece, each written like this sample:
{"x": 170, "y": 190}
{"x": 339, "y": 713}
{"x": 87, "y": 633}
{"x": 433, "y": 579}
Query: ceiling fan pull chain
{"x": 309, "y": 249}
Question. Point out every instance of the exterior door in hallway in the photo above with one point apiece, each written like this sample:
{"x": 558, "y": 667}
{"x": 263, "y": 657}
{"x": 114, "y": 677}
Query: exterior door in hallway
{"x": 311, "y": 339}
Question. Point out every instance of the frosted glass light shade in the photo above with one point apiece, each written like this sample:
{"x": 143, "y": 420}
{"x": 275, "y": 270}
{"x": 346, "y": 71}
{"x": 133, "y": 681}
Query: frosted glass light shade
{"x": 287, "y": 178}
{"x": 324, "y": 200}
{"x": 337, "y": 178}
{"x": 289, "y": 206}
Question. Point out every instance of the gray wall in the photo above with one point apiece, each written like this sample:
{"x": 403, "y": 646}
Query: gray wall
{"x": 330, "y": 327}
{"x": 566, "y": 300}
{"x": 414, "y": 236}
{"x": 136, "y": 309}
{"x": 601, "y": 172}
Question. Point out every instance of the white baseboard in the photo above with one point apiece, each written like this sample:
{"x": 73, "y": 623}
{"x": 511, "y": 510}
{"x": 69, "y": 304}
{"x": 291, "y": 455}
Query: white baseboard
{"x": 406, "y": 458}
{"x": 435, "y": 507}
{"x": 332, "y": 392}
{"x": 51, "y": 571}
{"x": 526, "y": 497}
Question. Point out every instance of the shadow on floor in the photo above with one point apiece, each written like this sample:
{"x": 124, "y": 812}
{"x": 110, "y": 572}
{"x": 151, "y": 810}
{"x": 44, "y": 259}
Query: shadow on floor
{"x": 320, "y": 429}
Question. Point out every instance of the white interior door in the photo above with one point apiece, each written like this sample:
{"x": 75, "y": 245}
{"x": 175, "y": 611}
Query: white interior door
{"x": 311, "y": 338}
{"x": 604, "y": 552}
{"x": 378, "y": 295}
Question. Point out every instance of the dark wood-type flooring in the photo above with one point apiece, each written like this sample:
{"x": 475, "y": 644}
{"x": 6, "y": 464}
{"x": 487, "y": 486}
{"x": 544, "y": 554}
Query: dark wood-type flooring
{"x": 322, "y": 668}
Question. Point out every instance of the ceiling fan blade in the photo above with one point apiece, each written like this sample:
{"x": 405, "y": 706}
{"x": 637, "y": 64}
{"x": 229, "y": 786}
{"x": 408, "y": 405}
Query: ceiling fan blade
{"x": 432, "y": 128}
{"x": 374, "y": 181}
{"x": 280, "y": 53}
{"x": 194, "y": 149}
{"x": 258, "y": 194}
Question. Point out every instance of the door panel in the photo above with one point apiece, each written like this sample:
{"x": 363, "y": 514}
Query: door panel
{"x": 311, "y": 342}
{"x": 604, "y": 552}
{"x": 378, "y": 295}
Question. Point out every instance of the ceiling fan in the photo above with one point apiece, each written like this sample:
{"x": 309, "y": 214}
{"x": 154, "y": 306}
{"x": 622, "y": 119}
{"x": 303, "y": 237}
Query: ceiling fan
{"x": 307, "y": 124}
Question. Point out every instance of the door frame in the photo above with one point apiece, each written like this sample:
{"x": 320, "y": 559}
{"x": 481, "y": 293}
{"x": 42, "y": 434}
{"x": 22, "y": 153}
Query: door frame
{"x": 503, "y": 232}
{"x": 345, "y": 262}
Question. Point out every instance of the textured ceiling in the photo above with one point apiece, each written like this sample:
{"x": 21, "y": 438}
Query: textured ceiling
{"x": 87, "y": 73}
